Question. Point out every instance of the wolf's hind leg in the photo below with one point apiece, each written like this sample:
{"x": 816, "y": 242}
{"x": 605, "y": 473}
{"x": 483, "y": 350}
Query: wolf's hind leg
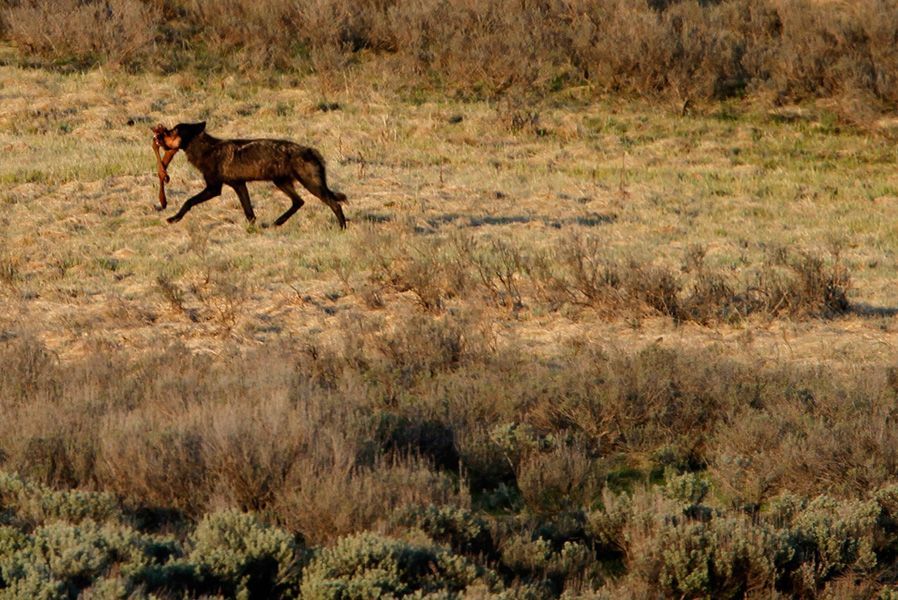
{"x": 286, "y": 186}
{"x": 317, "y": 185}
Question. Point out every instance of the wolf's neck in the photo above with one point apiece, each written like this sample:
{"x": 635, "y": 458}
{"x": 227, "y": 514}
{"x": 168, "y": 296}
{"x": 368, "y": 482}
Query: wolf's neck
{"x": 200, "y": 144}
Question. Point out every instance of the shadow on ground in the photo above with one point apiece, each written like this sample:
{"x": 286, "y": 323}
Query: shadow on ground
{"x": 862, "y": 309}
{"x": 475, "y": 221}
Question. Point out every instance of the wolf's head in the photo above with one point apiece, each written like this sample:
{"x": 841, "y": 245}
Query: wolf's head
{"x": 179, "y": 136}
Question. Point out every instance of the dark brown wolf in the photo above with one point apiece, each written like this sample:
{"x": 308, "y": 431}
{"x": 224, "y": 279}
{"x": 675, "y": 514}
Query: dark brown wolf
{"x": 234, "y": 162}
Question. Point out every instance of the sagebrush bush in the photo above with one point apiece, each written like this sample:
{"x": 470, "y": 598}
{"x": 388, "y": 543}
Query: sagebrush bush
{"x": 370, "y": 566}
{"x": 537, "y": 560}
{"x": 38, "y": 504}
{"x": 62, "y": 560}
{"x": 247, "y": 556}
{"x": 831, "y": 538}
{"x": 457, "y": 528}
{"x": 227, "y": 553}
{"x": 721, "y": 558}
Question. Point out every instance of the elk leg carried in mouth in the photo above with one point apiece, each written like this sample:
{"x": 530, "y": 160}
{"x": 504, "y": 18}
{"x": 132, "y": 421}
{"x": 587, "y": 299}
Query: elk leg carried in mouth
{"x": 162, "y": 162}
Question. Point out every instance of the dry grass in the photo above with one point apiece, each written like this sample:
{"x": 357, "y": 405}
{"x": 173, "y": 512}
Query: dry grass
{"x": 541, "y": 234}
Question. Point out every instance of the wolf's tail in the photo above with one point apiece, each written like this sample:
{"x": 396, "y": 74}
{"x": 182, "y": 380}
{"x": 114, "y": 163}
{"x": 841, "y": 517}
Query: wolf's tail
{"x": 316, "y": 182}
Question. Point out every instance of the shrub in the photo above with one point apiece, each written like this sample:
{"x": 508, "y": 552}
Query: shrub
{"x": 458, "y": 528}
{"x": 582, "y": 271}
{"x": 563, "y": 478}
{"x": 810, "y": 288}
{"x": 606, "y": 524}
{"x": 804, "y": 434}
{"x": 537, "y": 560}
{"x": 59, "y": 559}
{"x": 499, "y": 266}
{"x": 430, "y": 269}
{"x": 831, "y": 538}
{"x": 688, "y": 488}
{"x": 370, "y": 566}
{"x": 245, "y": 556}
{"x": 38, "y": 504}
{"x": 161, "y": 465}
{"x": 325, "y": 503}
{"x": 723, "y": 558}
{"x": 426, "y": 438}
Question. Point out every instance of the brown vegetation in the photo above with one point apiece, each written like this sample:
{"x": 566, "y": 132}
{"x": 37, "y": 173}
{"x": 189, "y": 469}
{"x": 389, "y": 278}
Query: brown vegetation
{"x": 784, "y": 50}
{"x": 424, "y": 421}
{"x": 579, "y": 271}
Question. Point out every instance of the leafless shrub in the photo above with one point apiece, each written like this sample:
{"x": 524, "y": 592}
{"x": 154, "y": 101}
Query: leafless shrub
{"x": 581, "y": 271}
{"x": 518, "y": 114}
{"x": 424, "y": 412}
{"x": 562, "y": 478}
{"x": 149, "y": 460}
{"x": 289, "y": 35}
{"x": 252, "y": 452}
{"x": 423, "y": 345}
{"x": 814, "y": 439}
{"x": 223, "y": 292}
{"x": 327, "y": 503}
{"x": 10, "y": 261}
{"x": 372, "y": 296}
{"x": 810, "y": 288}
{"x": 255, "y": 34}
{"x": 9, "y": 268}
{"x": 479, "y": 47}
{"x": 424, "y": 268}
{"x": 32, "y": 370}
{"x": 499, "y": 265}
{"x": 712, "y": 297}
{"x": 171, "y": 291}
{"x": 656, "y": 287}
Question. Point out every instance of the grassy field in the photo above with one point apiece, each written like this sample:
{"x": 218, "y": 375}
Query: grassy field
{"x": 586, "y": 345}
{"x": 85, "y": 252}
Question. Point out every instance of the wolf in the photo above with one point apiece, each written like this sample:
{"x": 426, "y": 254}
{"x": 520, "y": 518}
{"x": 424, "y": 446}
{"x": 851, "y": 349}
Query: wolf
{"x": 233, "y": 162}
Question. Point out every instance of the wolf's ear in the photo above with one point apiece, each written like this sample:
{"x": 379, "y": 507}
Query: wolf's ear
{"x": 188, "y": 131}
